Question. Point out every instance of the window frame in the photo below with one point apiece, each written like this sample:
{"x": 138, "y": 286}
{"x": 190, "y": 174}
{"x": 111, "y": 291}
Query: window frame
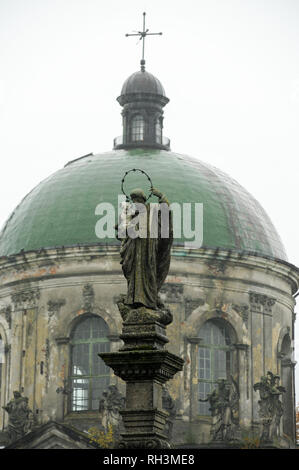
{"x": 90, "y": 341}
{"x": 203, "y": 408}
{"x": 137, "y": 131}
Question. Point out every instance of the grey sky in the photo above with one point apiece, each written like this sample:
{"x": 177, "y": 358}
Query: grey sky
{"x": 229, "y": 67}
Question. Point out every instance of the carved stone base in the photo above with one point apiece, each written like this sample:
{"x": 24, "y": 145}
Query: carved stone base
{"x": 144, "y": 430}
{"x": 142, "y": 314}
{"x": 144, "y": 421}
{"x": 143, "y": 441}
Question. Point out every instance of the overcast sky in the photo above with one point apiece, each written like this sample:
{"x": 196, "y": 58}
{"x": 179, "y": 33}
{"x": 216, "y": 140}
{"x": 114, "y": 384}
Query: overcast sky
{"x": 229, "y": 67}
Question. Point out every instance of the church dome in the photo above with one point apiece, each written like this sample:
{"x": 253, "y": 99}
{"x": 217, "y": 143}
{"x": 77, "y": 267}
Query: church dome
{"x": 60, "y": 211}
{"x": 142, "y": 82}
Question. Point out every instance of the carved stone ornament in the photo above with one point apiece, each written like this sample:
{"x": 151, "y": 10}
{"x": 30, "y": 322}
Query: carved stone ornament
{"x": 111, "y": 403}
{"x": 54, "y": 306}
{"x": 217, "y": 267}
{"x": 270, "y": 406}
{"x": 149, "y": 443}
{"x": 168, "y": 405}
{"x": 261, "y": 303}
{"x": 88, "y": 298}
{"x": 26, "y": 298}
{"x": 243, "y": 311}
{"x": 172, "y": 292}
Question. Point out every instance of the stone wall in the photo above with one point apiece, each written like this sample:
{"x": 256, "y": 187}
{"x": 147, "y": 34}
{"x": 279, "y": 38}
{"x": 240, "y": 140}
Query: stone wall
{"x": 44, "y": 294}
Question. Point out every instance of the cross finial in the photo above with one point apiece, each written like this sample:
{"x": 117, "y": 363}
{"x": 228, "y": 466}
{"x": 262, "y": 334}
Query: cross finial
{"x": 142, "y": 35}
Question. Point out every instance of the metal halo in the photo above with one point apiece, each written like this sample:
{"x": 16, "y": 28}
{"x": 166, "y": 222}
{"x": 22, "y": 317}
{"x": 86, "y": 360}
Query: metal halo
{"x": 142, "y": 171}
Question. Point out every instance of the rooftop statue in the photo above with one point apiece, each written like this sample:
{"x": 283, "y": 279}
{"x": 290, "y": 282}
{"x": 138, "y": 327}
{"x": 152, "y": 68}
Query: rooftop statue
{"x": 224, "y": 406}
{"x": 270, "y": 406}
{"x": 20, "y": 419}
{"x": 111, "y": 402}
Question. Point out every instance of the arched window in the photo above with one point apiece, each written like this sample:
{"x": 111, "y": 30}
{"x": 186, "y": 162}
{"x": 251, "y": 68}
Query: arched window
{"x": 286, "y": 346}
{"x": 158, "y": 129}
{"x": 215, "y": 359}
{"x": 89, "y": 374}
{"x": 137, "y": 128}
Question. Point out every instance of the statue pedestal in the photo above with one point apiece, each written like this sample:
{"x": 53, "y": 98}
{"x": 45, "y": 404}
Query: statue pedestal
{"x": 145, "y": 366}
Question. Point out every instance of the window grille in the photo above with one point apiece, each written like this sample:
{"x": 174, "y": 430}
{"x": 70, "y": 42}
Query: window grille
{"x": 158, "y": 132}
{"x": 214, "y": 358}
{"x": 137, "y": 128}
{"x": 89, "y": 374}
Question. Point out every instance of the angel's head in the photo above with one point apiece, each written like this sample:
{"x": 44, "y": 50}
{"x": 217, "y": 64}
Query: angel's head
{"x": 137, "y": 195}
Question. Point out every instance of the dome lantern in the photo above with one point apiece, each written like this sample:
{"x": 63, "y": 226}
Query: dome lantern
{"x": 142, "y": 98}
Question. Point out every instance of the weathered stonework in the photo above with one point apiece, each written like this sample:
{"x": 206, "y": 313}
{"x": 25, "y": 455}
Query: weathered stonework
{"x": 54, "y": 306}
{"x": 26, "y": 298}
{"x": 262, "y": 333}
{"x": 88, "y": 297}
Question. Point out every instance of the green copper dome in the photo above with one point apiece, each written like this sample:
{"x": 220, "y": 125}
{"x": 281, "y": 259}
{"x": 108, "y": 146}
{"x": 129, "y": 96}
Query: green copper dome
{"x": 60, "y": 211}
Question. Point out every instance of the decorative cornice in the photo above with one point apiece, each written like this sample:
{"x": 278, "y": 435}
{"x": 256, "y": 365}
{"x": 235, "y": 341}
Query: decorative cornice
{"x": 159, "y": 365}
{"x": 247, "y": 260}
{"x": 261, "y": 303}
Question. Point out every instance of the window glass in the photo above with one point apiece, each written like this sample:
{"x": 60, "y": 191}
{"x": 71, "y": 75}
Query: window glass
{"x": 158, "y": 132}
{"x": 137, "y": 128}
{"x": 89, "y": 374}
{"x": 214, "y": 359}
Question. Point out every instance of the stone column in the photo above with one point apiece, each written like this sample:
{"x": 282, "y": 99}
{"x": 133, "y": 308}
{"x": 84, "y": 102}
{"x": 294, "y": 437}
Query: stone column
{"x": 194, "y": 341}
{"x": 64, "y": 389}
{"x": 288, "y": 422}
{"x": 243, "y": 374}
{"x": 145, "y": 366}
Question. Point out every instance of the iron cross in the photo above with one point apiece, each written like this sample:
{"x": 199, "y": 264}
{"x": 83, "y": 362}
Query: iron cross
{"x": 142, "y": 35}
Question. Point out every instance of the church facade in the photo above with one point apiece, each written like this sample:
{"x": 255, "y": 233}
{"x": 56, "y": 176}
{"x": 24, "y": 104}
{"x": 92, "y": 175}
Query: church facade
{"x": 232, "y": 298}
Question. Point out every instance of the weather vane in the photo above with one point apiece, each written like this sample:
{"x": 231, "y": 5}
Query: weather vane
{"x": 142, "y": 35}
